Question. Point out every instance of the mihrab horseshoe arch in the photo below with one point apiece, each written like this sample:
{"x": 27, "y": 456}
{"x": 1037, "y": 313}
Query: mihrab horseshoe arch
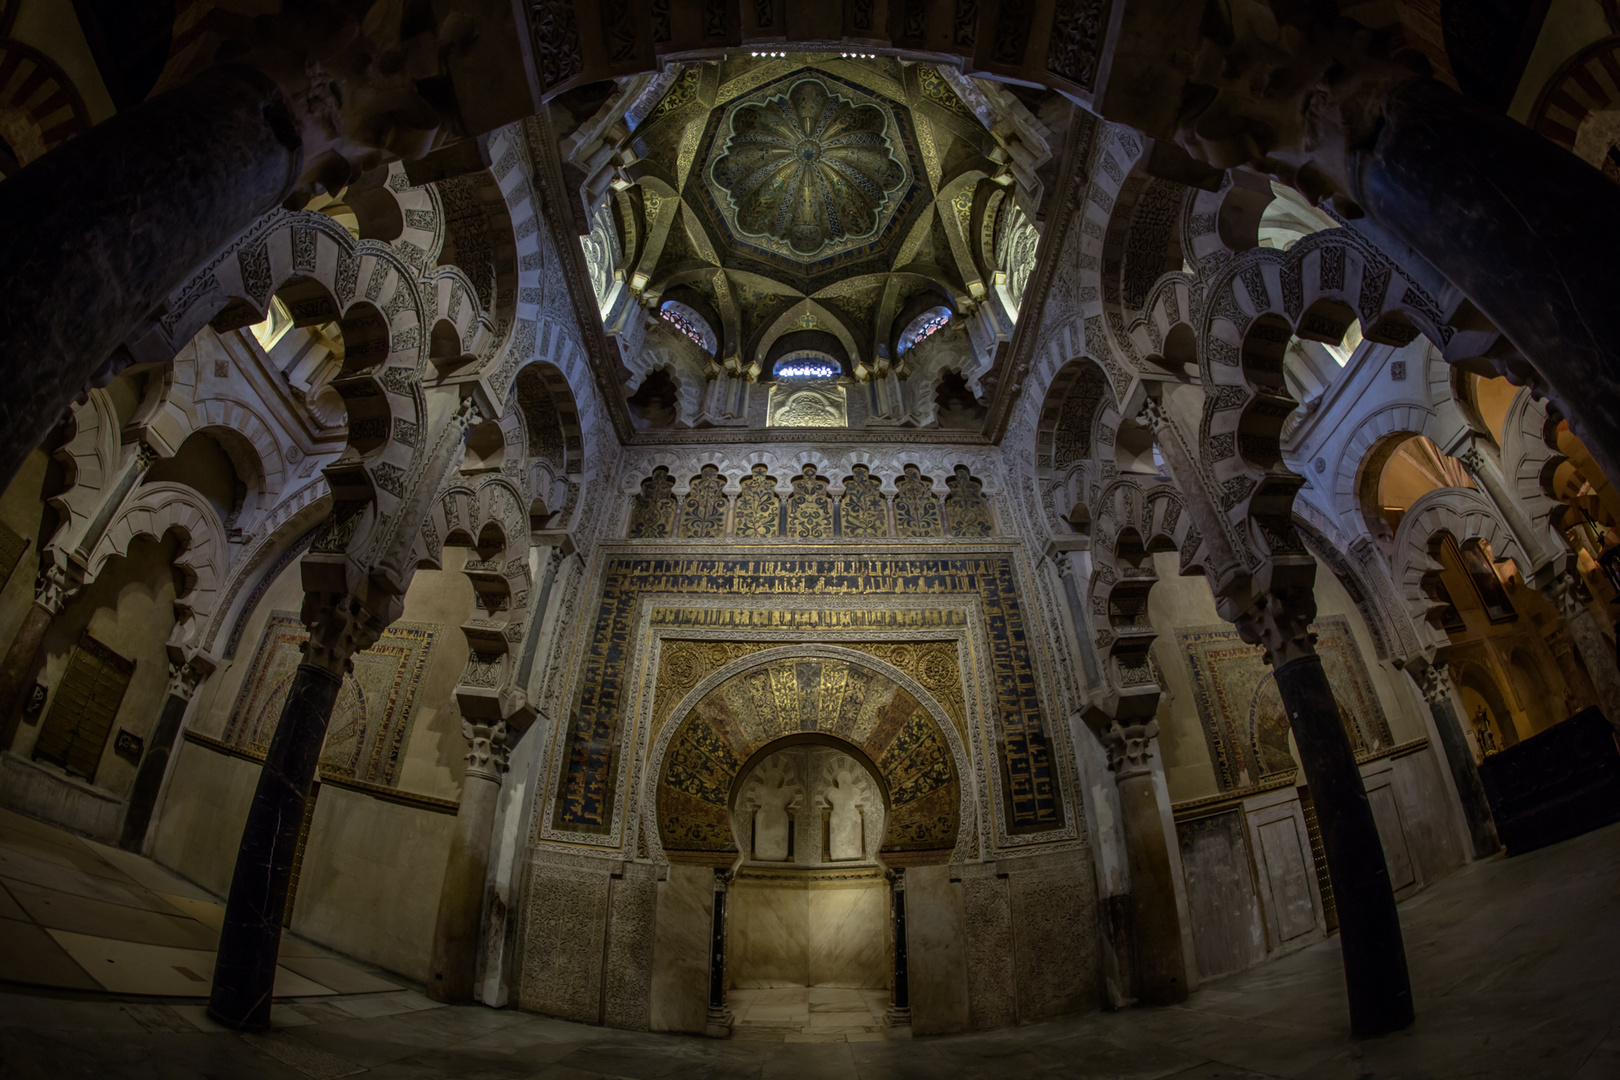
{"x": 879, "y": 711}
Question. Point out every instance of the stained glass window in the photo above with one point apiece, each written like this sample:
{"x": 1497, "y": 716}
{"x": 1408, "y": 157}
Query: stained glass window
{"x": 924, "y": 326}
{"x": 688, "y": 322}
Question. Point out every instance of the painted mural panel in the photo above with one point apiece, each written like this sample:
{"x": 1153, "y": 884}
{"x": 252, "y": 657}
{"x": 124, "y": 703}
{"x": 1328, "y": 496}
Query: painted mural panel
{"x": 1242, "y": 714}
{"x": 375, "y": 705}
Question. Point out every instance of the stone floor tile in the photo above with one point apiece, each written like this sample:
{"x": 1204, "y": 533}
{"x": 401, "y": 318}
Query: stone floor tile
{"x": 58, "y": 910}
{"x": 311, "y": 1061}
{"x": 341, "y": 975}
{"x": 29, "y": 954}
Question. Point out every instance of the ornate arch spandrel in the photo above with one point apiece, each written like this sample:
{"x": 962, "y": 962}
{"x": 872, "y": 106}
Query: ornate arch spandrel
{"x": 850, "y": 700}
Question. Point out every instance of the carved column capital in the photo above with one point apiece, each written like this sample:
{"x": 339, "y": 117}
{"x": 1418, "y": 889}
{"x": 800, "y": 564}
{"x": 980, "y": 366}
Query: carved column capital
{"x": 488, "y": 752}
{"x": 1130, "y": 747}
{"x": 896, "y": 876}
{"x": 54, "y": 588}
{"x": 1435, "y": 683}
{"x": 1472, "y": 458}
{"x": 1152, "y": 415}
{"x": 1568, "y": 594}
{"x": 1280, "y": 622}
{"x": 340, "y": 625}
{"x": 185, "y": 676}
{"x": 469, "y": 414}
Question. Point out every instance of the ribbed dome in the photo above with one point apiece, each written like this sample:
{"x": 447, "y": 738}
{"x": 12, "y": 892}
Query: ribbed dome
{"x": 808, "y": 167}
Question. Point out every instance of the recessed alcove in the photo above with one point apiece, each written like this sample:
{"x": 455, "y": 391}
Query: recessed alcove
{"x": 809, "y": 905}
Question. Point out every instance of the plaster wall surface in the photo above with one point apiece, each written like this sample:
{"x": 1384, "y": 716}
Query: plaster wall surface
{"x": 199, "y": 825}
{"x": 129, "y": 609}
{"x": 371, "y": 877}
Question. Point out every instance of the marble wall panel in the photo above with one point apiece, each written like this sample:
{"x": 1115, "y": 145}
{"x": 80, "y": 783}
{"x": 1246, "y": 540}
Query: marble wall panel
{"x": 936, "y": 953}
{"x": 679, "y": 994}
{"x": 1387, "y": 815}
{"x": 1054, "y": 915}
{"x": 1285, "y": 869}
{"x": 1423, "y": 801}
{"x": 992, "y": 979}
{"x": 1228, "y": 928}
{"x": 768, "y": 927}
{"x": 200, "y": 821}
{"x": 565, "y": 910}
{"x": 810, "y": 933}
{"x": 632, "y": 930}
{"x": 849, "y": 934}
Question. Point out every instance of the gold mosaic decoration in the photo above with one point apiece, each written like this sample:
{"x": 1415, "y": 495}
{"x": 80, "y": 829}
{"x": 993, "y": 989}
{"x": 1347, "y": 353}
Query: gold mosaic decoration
{"x": 810, "y": 507}
{"x": 863, "y": 510}
{"x": 652, "y": 513}
{"x": 916, "y": 511}
{"x": 758, "y": 507}
{"x": 967, "y": 511}
{"x": 704, "y": 516}
{"x": 843, "y": 702}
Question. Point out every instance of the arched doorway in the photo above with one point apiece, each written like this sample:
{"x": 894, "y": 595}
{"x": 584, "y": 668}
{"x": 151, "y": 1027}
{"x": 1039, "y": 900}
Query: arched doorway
{"x": 810, "y": 938}
{"x": 801, "y": 777}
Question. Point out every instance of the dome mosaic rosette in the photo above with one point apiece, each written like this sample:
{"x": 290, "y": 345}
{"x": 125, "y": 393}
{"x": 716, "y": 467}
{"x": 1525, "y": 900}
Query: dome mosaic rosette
{"x": 808, "y": 168}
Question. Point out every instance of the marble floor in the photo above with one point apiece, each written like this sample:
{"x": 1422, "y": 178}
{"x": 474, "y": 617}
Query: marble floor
{"x": 81, "y": 916}
{"x": 1515, "y": 966}
{"x": 809, "y": 1014}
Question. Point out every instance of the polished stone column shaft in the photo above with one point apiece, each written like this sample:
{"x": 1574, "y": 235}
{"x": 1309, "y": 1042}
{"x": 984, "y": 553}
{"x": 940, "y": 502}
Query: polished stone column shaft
{"x": 720, "y": 1020}
{"x": 154, "y": 765}
{"x": 900, "y": 1002}
{"x": 17, "y": 666}
{"x": 1568, "y": 593}
{"x": 1437, "y": 691}
{"x": 99, "y": 231}
{"x": 1369, "y": 927}
{"x": 52, "y": 592}
{"x": 249, "y": 941}
{"x": 1375, "y": 974}
{"x": 1161, "y": 968}
{"x": 461, "y": 898}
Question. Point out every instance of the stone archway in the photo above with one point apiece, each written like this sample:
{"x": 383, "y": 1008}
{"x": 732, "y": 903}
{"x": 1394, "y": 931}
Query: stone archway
{"x": 747, "y": 780}
{"x": 836, "y": 695}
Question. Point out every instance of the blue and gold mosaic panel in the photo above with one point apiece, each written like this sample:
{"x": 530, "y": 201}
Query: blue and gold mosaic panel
{"x": 839, "y": 700}
{"x": 1032, "y": 801}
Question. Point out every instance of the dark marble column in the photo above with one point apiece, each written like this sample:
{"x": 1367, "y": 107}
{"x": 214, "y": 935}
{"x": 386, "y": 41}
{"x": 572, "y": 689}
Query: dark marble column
{"x": 249, "y": 941}
{"x": 51, "y": 594}
{"x": 1161, "y": 966}
{"x": 1369, "y": 927}
{"x": 1570, "y": 596}
{"x": 720, "y": 1019}
{"x": 1438, "y": 691}
{"x": 100, "y": 230}
{"x": 143, "y": 796}
{"x": 1491, "y": 204}
{"x": 899, "y": 1014}
{"x": 461, "y": 898}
